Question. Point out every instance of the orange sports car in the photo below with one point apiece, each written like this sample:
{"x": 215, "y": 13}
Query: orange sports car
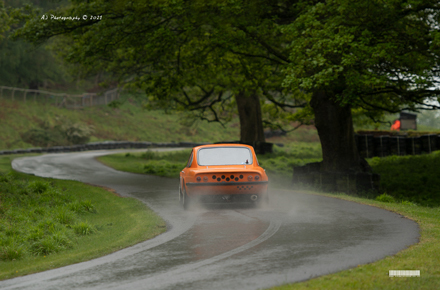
{"x": 223, "y": 173}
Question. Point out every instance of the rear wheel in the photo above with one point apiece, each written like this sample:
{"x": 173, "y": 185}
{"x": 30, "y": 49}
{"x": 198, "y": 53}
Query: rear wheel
{"x": 184, "y": 200}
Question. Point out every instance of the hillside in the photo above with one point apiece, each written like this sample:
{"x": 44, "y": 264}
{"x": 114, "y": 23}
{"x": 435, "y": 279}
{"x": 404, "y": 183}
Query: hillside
{"x": 127, "y": 122}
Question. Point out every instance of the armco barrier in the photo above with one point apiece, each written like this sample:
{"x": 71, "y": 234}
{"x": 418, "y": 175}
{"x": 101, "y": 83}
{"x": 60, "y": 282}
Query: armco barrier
{"x": 382, "y": 146}
{"x": 365, "y": 145}
{"x": 108, "y": 145}
{"x": 429, "y": 143}
{"x": 397, "y": 145}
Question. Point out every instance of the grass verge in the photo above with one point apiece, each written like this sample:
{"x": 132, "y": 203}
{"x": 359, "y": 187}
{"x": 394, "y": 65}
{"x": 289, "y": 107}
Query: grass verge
{"x": 113, "y": 224}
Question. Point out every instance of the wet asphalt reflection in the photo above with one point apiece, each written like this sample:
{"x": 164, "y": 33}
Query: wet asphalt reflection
{"x": 296, "y": 237}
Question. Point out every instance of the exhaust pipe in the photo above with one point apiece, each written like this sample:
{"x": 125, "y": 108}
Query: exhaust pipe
{"x": 226, "y": 197}
{"x": 254, "y": 197}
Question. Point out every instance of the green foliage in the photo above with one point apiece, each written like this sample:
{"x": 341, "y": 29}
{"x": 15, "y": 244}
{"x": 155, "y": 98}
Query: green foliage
{"x": 38, "y": 218}
{"x": 410, "y": 178}
{"x": 385, "y": 198}
{"x": 28, "y": 67}
{"x": 83, "y": 228}
{"x": 4, "y": 20}
{"x": 11, "y": 252}
{"x": 38, "y": 186}
{"x": 63, "y": 133}
{"x": 372, "y": 55}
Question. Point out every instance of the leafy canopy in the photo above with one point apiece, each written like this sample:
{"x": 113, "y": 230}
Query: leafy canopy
{"x": 374, "y": 55}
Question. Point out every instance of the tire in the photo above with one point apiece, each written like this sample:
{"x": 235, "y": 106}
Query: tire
{"x": 185, "y": 200}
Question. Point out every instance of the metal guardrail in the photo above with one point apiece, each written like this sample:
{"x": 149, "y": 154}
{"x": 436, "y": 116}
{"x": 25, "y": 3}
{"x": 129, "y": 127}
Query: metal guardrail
{"x": 108, "y": 145}
{"x": 69, "y": 101}
{"x": 382, "y": 146}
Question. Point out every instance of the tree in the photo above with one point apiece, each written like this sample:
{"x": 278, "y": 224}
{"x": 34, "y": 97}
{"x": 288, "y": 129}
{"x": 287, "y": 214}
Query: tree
{"x": 367, "y": 55}
{"x": 21, "y": 63}
{"x": 175, "y": 49}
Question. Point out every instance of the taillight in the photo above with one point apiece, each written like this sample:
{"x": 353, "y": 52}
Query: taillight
{"x": 257, "y": 177}
{"x": 199, "y": 178}
{"x": 249, "y": 177}
{"x": 205, "y": 178}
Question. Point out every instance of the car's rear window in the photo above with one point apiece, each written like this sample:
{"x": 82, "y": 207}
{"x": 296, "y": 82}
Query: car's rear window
{"x": 224, "y": 156}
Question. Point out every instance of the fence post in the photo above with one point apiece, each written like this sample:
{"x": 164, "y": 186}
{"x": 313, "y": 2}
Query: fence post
{"x": 429, "y": 142}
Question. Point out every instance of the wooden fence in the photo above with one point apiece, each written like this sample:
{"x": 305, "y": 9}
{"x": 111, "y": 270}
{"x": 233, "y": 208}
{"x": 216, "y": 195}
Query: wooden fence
{"x": 69, "y": 101}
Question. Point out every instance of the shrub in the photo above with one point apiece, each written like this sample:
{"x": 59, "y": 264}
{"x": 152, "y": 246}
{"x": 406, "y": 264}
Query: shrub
{"x": 411, "y": 178}
{"x": 88, "y": 206}
{"x": 37, "y": 186}
{"x": 385, "y": 198}
{"x": 11, "y": 252}
{"x": 83, "y": 228}
{"x": 64, "y": 216}
{"x": 44, "y": 246}
{"x": 64, "y": 132}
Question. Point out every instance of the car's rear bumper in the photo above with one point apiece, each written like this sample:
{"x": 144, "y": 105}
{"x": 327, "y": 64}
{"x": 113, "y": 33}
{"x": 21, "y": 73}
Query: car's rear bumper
{"x": 226, "y": 188}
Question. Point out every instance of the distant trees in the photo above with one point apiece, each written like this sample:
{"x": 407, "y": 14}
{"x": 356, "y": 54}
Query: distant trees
{"x": 21, "y": 63}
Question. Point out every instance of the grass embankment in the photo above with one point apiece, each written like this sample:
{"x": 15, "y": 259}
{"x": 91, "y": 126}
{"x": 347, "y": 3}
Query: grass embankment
{"x": 49, "y": 223}
{"x": 409, "y": 183}
{"x": 128, "y": 122}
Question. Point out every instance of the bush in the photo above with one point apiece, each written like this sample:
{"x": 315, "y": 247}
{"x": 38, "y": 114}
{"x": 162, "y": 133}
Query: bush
{"x": 11, "y": 252}
{"x": 37, "y": 186}
{"x": 83, "y": 229}
{"x": 62, "y": 134}
{"x": 385, "y": 198}
{"x": 411, "y": 178}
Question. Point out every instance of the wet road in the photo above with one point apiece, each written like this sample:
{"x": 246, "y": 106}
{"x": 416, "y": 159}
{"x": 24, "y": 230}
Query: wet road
{"x": 297, "y": 237}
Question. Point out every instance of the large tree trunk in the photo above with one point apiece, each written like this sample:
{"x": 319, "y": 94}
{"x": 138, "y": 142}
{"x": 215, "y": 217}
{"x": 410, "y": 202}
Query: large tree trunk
{"x": 335, "y": 130}
{"x": 251, "y": 122}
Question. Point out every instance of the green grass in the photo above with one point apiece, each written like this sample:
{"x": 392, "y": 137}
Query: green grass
{"x": 49, "y": 223}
